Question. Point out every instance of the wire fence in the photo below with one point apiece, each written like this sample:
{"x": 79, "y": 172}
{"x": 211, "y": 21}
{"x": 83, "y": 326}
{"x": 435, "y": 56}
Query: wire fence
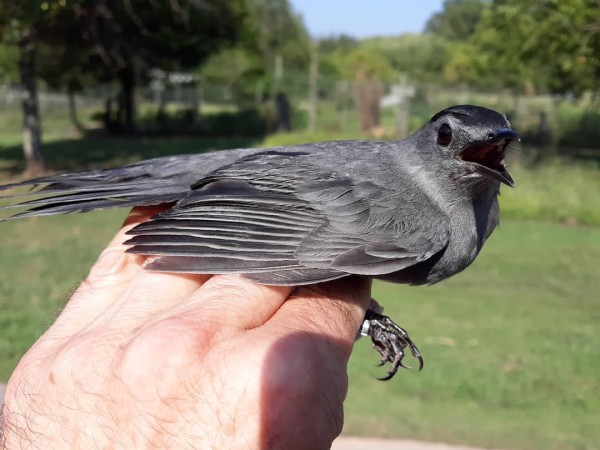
{"x": 332, "y": 106}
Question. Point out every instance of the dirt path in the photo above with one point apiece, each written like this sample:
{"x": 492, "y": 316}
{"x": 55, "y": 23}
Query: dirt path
{"x": 355, "y": 443}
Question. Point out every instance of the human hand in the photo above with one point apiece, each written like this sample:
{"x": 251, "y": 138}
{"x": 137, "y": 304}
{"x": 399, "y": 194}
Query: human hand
{"x": 152, "y": 360}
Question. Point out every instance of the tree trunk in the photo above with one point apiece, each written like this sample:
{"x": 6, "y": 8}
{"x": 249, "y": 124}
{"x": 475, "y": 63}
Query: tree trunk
{"x": 367, "y": 96}
{"x": 313, "y": 88}
{"x": 196, "y": 104}
{"x": 73, "y": 107}
{"x": 32, "y": 130}
{"x": 127, "y": 101}
{"x": 283, "y": 112}
{"x": 108, "y": 118}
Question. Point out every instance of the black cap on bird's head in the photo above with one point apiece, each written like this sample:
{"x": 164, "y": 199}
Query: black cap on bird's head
{"x": 477, "y": 138}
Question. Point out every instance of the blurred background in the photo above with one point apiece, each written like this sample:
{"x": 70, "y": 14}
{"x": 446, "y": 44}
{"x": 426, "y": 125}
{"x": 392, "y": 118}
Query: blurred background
{"x": 511, "y": 345}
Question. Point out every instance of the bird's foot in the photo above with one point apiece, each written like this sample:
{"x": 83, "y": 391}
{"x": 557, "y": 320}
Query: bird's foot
{"x": 389, "y": 340}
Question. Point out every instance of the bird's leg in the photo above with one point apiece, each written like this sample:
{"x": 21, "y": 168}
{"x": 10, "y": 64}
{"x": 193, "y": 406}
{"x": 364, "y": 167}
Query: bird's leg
{"x": 389, "y": 340}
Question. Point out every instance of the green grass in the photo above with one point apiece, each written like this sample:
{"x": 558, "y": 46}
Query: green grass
{"x": 56, "y": 121}
{"x": 41, "y": 262}
{"x": 510, "y": 345}
{"x": 556, "y": 189}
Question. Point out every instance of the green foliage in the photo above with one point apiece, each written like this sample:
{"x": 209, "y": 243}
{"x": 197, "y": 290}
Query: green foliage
{"x": 47, "y": 26}
{"x": 457, "y": 20}
{"x": 249, "y": 122}
{"x": 419, "y": 56}
{"x": 31, "y": 16}
{"x": 278, "y": 31}
{"x": 77, "y": 41}
{"x": 235, "y": 69}
{"x": 342, "y": 43}
{"x": 271, "y": 32}
{"x": 170, "y": 36}
{"x": 364, "y": 63}
{"x": 529, "y": 46}
{"x": 521, "y": 45}
{"x": 9, "y": 63}
{"x": 227, "y": 66}
{"x": 246, "y": 122}
{"x": 459, "y": 65}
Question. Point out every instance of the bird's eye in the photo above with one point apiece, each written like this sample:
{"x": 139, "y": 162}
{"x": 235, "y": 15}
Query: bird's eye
{"x": 444, "y": 135}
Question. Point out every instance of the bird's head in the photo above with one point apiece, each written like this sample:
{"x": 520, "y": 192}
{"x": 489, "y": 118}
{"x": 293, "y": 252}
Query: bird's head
{"x": 474, "y": 140}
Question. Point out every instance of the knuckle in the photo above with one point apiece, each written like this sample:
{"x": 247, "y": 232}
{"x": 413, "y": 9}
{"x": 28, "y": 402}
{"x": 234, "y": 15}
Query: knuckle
{"x": 111, "y": 263}
{"x": 170, "y": 344}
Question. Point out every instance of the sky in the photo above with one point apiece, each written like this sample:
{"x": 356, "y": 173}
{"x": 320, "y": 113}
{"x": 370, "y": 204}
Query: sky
{"x": 365, "y": 18}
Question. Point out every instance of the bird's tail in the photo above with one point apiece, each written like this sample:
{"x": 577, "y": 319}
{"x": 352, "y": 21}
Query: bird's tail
{"x": 151, "y": 182}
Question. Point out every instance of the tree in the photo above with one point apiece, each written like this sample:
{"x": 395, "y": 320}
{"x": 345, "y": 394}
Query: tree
{"x": 236, "y": 68}
{"x": 421, "y": 57}
{"x": 9, "y": 63}
{"x": 460, "y": 65}
{"x": 64, "y": 66}
{"x": 368, "y": 69}
{"x": 24, "y": 24}
{"x": 457, "y": 20}
{"x": 551, "y": 46}
{"x": 343, "y": 43}
{"x": 280, "y": 37}
{"x": 126, "y": 38}
{"x": 109, "y": 39}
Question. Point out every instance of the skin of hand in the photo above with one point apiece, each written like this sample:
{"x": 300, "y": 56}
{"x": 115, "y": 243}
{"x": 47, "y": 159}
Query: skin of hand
{"x": 144, "y": 360}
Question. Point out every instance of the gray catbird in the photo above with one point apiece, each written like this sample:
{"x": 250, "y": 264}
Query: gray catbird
{"x": 415, "y": 211}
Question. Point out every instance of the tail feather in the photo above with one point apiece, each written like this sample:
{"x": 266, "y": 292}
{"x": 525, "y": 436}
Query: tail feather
{"x": 151, "y": 182}
{"x": 51, "y": 208}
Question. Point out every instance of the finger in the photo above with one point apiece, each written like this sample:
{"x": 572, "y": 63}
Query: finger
{"x": 311, "y": 337}
{"x": 150, "y": 292}
{"x": 148, "y": 297}
{"x": 231, "y": 301}
{"x": 143, "y": 213}
{"x": 107, "y": 280}
{"x": 334, "y": 310}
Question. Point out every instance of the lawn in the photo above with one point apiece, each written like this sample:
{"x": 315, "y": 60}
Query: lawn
{"x": 510, "y": 345}
{"x": 511, "y": 348}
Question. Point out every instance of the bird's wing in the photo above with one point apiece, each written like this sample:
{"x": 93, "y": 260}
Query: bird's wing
{"x": 282, "y": 221}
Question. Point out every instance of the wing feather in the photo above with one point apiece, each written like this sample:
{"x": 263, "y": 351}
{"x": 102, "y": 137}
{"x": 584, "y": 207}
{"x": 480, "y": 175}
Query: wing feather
{"x": 281, "y": 226}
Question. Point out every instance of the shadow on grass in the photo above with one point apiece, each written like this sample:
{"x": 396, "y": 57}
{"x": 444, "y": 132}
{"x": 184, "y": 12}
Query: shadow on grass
{"x": 96, "y": 151}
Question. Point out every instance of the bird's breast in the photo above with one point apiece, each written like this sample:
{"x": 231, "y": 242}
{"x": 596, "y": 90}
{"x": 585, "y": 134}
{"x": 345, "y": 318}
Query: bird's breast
{"x": 462, "y": 249}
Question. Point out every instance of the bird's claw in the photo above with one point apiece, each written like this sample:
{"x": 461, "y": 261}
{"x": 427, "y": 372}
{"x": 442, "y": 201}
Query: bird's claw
{"x": 389, "y": 340}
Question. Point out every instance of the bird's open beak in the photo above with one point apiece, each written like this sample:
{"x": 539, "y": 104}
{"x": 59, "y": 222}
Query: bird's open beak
{"x": 488, "y": 155}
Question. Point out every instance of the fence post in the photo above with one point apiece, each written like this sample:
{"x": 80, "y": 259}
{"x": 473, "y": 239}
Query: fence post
{"x": 313, "y": 87}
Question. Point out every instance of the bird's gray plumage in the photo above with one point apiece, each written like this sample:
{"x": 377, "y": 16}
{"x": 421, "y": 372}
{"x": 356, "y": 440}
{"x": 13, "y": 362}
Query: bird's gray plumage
{"x": 414, "y": 211}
